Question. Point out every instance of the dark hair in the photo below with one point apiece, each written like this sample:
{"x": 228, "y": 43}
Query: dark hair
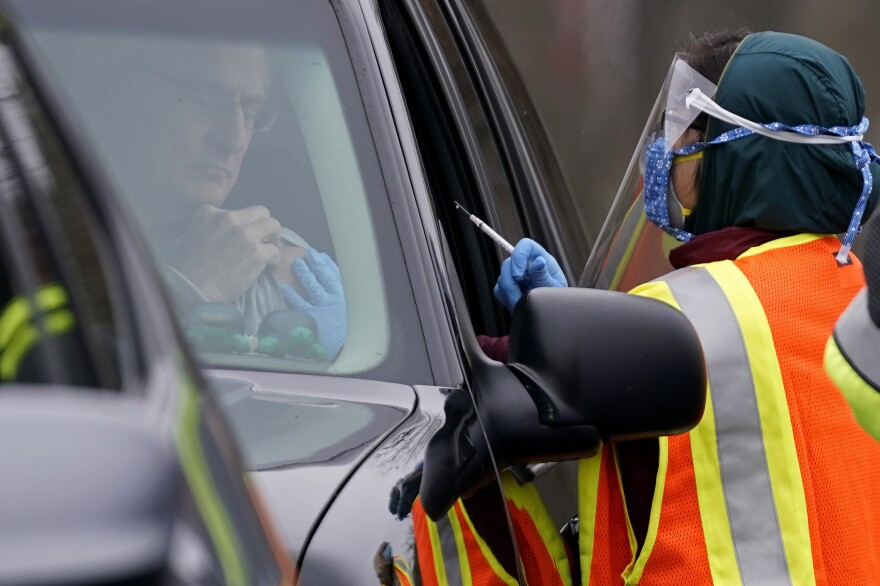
{"x": 709, "y": 54}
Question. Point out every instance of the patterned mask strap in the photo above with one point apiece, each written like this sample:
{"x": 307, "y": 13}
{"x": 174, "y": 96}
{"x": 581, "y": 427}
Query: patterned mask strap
{"x": 863, "y": 152}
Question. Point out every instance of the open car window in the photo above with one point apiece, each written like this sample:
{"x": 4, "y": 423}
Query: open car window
{"x": 243, "y": 148}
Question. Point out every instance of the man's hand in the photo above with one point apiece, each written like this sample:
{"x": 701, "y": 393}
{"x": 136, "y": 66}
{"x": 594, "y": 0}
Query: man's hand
{"x": 284, "y": 269}
{"x": 224, "y": 251}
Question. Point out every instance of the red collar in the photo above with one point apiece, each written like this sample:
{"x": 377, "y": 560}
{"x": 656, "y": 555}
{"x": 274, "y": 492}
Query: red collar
{"x": 724, "y": 244}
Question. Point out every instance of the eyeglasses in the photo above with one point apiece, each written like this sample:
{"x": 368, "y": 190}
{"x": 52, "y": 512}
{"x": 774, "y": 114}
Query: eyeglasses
{"x": 213, "y": 102}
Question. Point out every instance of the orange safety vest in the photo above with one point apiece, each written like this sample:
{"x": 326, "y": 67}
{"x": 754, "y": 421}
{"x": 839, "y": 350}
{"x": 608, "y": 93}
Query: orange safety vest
{"x": 606, "y": 546}
{"x": 402, "y": 571}
{"x": 450, "y": 552}
{"x": 778, "y": 484}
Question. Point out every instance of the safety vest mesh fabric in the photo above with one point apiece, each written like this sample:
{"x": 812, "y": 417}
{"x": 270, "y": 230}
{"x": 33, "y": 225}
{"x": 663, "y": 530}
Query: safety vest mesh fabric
{"x": 452, "y": 552}
{"x": 777, "y": 484}
{"x": 541, "y": 548}
{"x": 606, "y": 546}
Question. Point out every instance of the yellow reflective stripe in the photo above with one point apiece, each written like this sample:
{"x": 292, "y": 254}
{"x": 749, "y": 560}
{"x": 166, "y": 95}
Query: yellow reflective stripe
{"x": 656, "y": 290}
{"x": 710, "y": 496}
{"x": 525, "y": 497}
{"x": 861, "y": 396}
{"x": 26, "y": 336}
{"x": 198, "y": 477}
{"x": 782, "y": 461}
{"x": 18, "y": 335}
{"x": 782, "y": 243}
{"x": 588, "y": 497}
{"x": 437, "y": 548}
{"x": 623, "y": 262}
{"x": 463, "y": 561}
{"x": 401, "y": 569}
{"x": 17, "y": 311}
{"x": 633, "y": 573}
{"x": 59, "y": 322}
{"x": 496, "y": 567}
{"x": 50, "y": 296}
{"x": 707, "y": 474}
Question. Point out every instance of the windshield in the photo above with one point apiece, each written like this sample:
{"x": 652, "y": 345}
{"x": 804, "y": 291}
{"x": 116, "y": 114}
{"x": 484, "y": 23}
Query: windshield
{"x": 239, "y": 137}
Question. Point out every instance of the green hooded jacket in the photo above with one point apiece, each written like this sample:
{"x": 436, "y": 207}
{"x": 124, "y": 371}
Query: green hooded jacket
{"x": 765, "y": 183}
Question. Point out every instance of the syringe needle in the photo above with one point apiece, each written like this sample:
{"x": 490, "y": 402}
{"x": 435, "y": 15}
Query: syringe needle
{"x": 487, "y": 230}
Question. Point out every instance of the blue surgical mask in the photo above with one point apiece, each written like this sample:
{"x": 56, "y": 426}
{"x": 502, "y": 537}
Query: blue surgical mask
{"x": 660, "y": 198}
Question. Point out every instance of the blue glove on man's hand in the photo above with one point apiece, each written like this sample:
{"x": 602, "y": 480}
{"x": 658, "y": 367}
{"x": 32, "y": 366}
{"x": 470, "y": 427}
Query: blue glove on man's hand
{"x": 529, "y": 267}
{"x": 324, "y": 301}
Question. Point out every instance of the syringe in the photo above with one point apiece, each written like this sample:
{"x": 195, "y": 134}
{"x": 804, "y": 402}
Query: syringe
{"x": 487, "y": 230}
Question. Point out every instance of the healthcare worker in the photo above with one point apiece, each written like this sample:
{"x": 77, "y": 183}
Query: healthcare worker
{"x": 852, "y": 355}
{"x": 743, "y": 187}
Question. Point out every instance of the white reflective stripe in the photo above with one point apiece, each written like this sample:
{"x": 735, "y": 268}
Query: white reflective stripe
{"x": 449, "y": 551}
{"x": 748, "y": 495}
{"x": 859, "y": 339}
{"x": 697, "y": 98}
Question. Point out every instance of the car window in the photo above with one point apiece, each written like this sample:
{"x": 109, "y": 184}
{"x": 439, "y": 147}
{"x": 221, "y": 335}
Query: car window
{"x": 243, "y": 147}
{"x": 550, "y": 210}
{"x": 61, "y": 321}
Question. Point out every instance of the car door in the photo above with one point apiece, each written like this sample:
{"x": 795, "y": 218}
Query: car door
{"x": 328, "y": 439}
{"x": 478, "y": 154}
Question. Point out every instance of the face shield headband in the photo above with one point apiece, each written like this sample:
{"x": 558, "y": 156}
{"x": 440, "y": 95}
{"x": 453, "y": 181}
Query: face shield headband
{"x": 659, "y": 157}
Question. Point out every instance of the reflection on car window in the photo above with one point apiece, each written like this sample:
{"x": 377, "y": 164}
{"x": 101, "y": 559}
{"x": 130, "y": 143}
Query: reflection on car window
{"x": 249, "y": 164}
{"x": 57, "y": 320}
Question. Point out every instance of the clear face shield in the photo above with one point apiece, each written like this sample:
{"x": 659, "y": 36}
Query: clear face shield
{"x": 630, "y": 249}
{"x": 648, "y": 215}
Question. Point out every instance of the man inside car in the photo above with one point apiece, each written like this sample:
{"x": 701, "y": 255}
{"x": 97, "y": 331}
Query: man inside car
{"x": 194, "y": 109}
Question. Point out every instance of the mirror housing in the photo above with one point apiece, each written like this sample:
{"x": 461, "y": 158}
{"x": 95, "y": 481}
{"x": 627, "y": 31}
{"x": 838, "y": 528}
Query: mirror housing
{"x": 584, "y": 365}
{"x": 632, "y": 367}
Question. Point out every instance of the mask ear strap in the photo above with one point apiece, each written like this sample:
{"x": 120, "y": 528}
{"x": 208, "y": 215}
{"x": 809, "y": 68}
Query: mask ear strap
{"x": 864, "y": 154}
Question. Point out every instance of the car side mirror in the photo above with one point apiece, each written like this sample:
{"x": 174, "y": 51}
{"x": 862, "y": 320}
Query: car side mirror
{"x": 632, "y": 367}
{"x": 584, "y": 365}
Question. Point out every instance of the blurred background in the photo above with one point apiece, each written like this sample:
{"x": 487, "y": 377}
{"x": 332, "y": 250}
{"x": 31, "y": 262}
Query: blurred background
{"x": 594, "y": 67}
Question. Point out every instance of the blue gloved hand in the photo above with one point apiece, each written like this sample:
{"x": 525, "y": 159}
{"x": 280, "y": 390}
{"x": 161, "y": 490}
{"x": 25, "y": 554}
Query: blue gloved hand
{"x": 324, "y": 301}
{"x": 529, "y": 267}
